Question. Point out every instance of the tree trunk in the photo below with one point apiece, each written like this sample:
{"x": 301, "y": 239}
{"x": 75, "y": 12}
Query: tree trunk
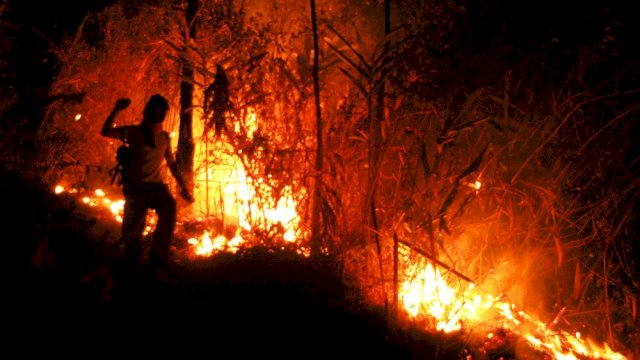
{"x": 316, "y": 235}
{"x": 376, "y": 113}
{"x": 185, "y": 151}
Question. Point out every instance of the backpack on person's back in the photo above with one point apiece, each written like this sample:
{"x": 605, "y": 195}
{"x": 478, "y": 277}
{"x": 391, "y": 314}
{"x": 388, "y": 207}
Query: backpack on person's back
{"x": 123, "y": 157}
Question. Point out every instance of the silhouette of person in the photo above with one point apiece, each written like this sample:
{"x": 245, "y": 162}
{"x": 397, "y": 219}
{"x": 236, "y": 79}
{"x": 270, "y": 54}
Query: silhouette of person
{"x": 143, "y": 186}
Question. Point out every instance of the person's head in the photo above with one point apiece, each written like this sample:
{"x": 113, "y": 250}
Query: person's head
{"x": 156, "y": 109}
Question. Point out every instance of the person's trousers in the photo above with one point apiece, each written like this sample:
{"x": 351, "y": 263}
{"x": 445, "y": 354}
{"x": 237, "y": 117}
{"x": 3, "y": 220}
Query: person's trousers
{"x": 139, "y": 199}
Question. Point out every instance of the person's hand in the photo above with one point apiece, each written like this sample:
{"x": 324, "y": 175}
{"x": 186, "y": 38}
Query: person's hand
{"x": 187, "y": 196}
{"x": 122, "y": 104}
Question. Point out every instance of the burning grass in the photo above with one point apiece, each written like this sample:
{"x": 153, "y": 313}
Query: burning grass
{"x": 431, "y": 295}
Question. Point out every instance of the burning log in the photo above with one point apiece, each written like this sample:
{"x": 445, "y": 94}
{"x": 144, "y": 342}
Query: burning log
{"x": 555, "y": 320}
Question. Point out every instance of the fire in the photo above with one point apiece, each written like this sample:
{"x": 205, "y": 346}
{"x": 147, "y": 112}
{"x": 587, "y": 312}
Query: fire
{"x": 227, "y": 190}
{"x": 426, "y": 294}
{"x": 429, "y": 293}
{"x": 207, "y": 246}
{"x": 117, "y": 209}
{"x": 243, "y": 205}
{"x": 224, "y": 191}
{"x": 283, "y": 214}
{"x": 431, "y": 298}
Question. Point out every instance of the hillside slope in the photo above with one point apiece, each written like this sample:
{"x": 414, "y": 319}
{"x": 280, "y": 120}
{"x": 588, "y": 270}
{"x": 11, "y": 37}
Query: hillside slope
{"x": 260, "y": 302}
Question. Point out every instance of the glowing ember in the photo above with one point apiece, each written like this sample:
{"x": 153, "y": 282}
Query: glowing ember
{"x": 78, "y": 117}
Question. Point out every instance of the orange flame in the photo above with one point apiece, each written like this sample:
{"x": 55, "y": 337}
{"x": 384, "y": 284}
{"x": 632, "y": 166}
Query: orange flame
{"x": 428, "y": 296}
{"x": 206, "y": 246}
{"x": 224, "y": 190}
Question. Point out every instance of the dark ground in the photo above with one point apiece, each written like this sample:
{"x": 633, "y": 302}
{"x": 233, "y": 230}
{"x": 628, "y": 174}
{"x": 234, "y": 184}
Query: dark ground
{"x": 260, "y": 302}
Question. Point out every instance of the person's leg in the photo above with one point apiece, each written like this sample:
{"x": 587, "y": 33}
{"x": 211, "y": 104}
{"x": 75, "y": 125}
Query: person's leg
{"x": 165, "y": 206}
{"x": 135, "y": 212}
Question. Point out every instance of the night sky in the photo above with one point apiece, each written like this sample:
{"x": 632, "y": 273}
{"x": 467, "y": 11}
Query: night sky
{"x": 530, "y": 26}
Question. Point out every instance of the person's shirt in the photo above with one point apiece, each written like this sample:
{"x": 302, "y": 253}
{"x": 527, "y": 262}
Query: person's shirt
{"x": 147, "y": 154}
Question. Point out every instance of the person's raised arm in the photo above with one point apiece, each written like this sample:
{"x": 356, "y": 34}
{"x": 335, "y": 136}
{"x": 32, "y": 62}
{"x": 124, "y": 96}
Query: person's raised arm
{"x": 107, "y": 128}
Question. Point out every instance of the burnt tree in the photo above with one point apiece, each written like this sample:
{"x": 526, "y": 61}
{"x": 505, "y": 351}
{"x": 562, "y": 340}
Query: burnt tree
{"x": 316, "y": 239}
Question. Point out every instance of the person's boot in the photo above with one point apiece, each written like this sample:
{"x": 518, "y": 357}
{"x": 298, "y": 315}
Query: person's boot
{"x": 159, "y": 267}
{"x": 132, "y": 259}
